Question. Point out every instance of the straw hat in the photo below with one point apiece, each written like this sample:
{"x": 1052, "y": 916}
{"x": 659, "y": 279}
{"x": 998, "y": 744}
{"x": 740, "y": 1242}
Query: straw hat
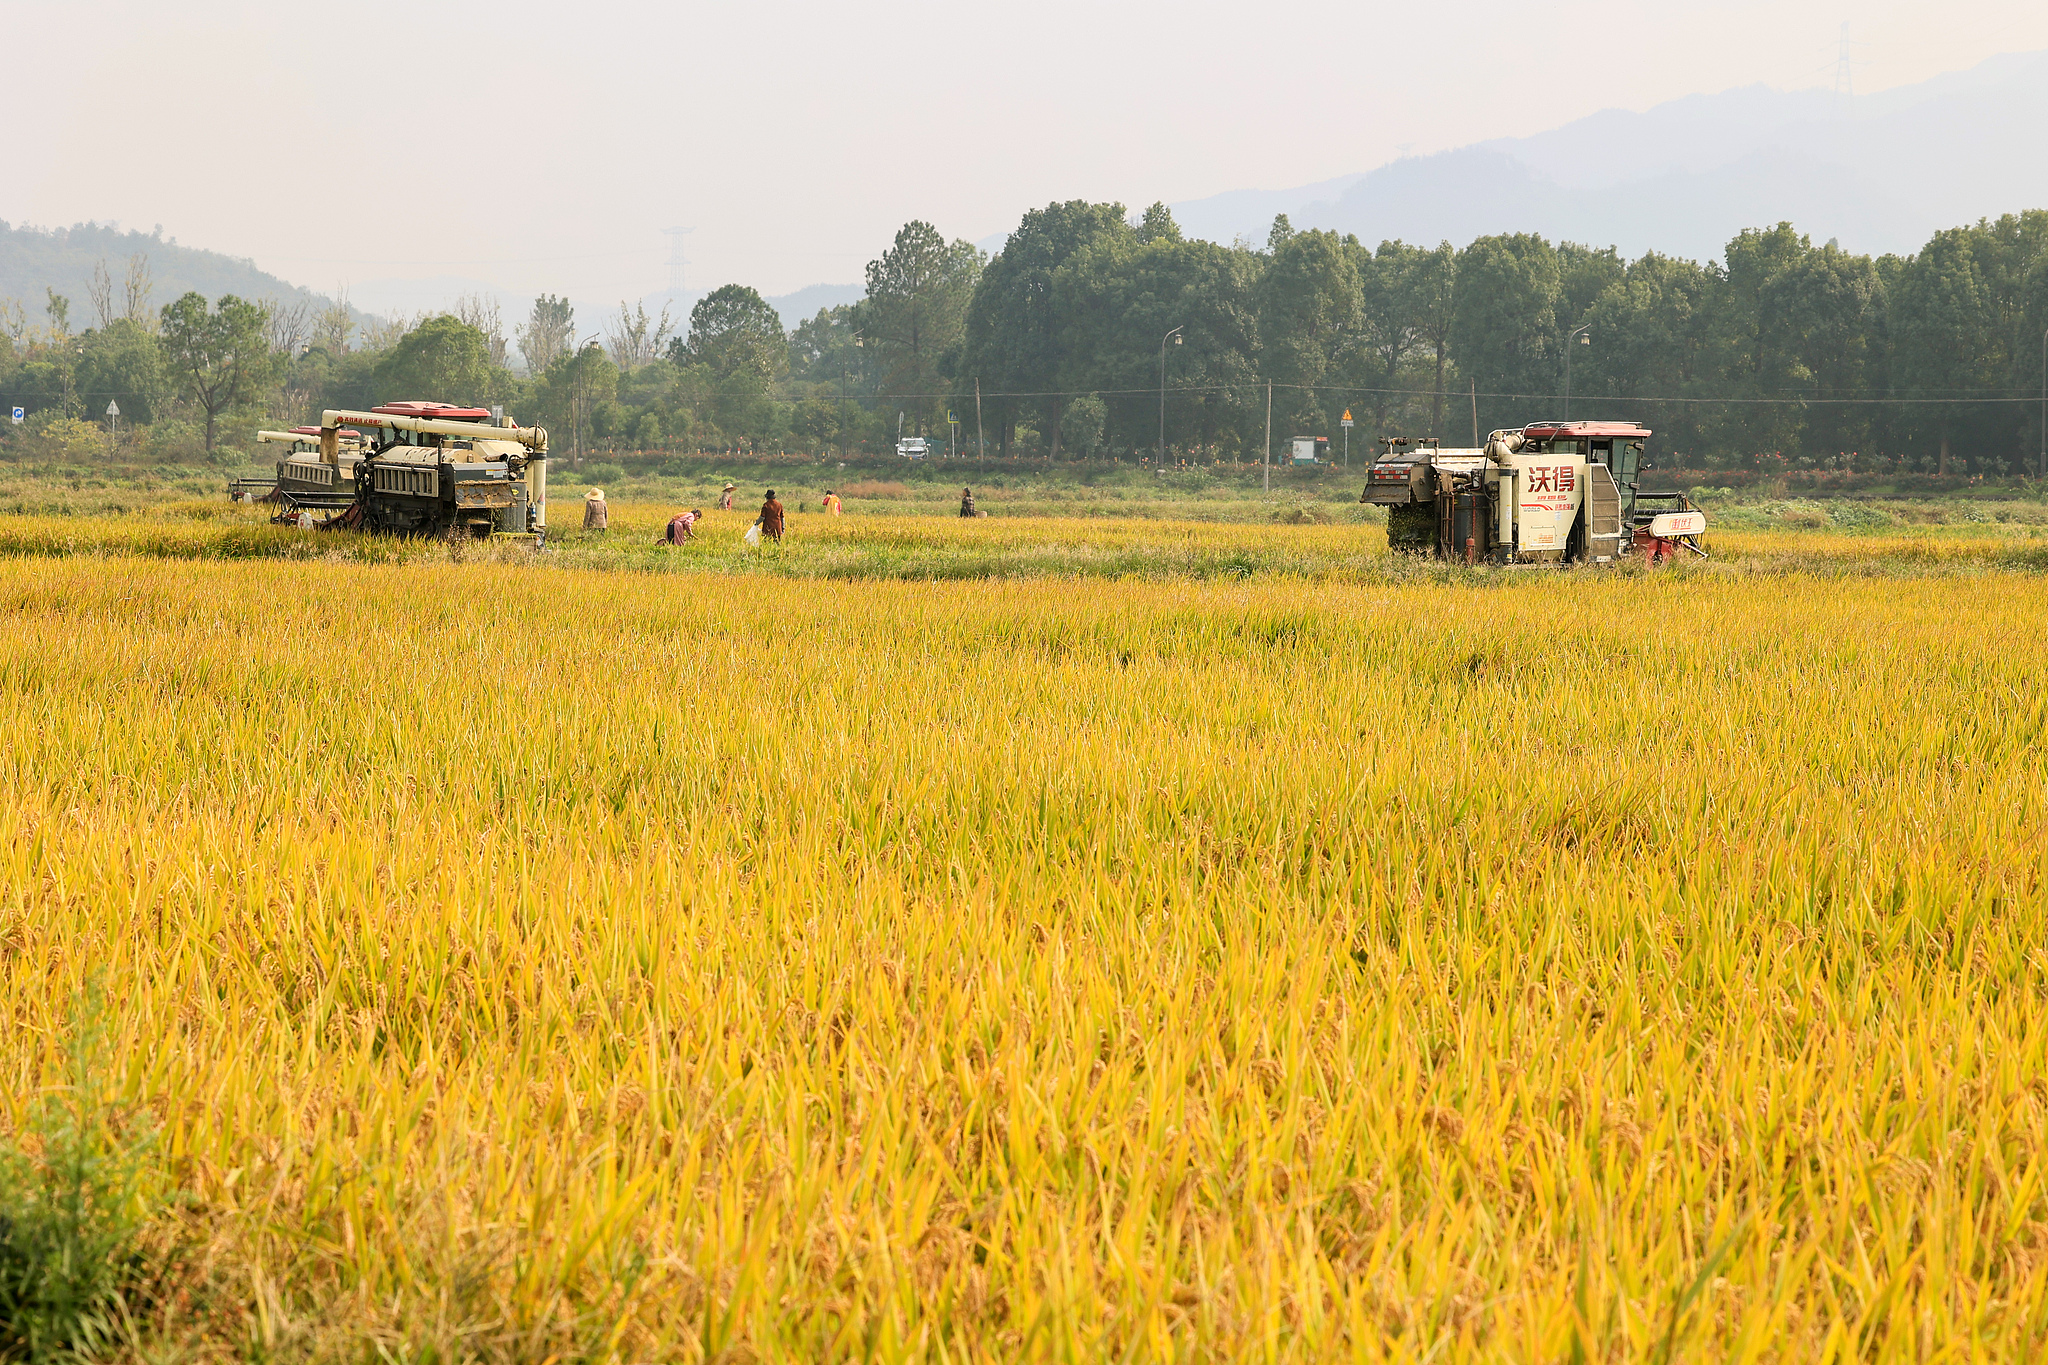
{"x": 594, "y": 495}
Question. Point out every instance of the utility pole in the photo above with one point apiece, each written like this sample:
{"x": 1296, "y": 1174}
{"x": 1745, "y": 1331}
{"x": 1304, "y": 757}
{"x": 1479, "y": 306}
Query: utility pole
{"x": 2044, "y": 404}
{"x": 1174, "y": 337}
{"x": 1266, "y": 465}
{"x": 1474, "y": 381}
{"x": 980, "y": 442}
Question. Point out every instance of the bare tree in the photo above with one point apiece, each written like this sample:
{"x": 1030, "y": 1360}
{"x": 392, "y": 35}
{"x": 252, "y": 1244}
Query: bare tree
{"x": 139, "y": 285}
{"x": 547, "y": 335}
{"x": 13, "y": 320}
{"x": 633, "y": 339}
{"x": 101, "y": 291}
{"x": 481, "y": 312}
{"x": 332, "y": 324}
{"x": 291, "y": 326}
{"x": 381, "y": 334}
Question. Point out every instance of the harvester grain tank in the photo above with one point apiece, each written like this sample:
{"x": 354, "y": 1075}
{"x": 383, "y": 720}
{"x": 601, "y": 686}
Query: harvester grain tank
{"x": 1550, "y": 493}
{"x": 437, "y": 469}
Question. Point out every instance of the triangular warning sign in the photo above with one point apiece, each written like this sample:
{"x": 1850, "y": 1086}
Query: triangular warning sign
{"x": 1347, "y": 414}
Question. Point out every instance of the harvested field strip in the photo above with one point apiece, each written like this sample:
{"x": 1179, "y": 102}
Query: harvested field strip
{"x": 937, "y": 548}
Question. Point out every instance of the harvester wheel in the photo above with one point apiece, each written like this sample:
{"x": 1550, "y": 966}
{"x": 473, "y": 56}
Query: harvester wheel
{"x": 1411, "y": 529}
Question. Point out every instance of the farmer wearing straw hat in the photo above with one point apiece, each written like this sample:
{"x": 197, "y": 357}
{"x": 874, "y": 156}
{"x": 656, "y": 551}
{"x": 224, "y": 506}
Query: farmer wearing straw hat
{"x": 725, "y": 498}
{"x": 595, "y": 514}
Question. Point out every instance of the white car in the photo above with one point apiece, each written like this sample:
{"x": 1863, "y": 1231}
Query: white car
{"x": 911, "y": 448}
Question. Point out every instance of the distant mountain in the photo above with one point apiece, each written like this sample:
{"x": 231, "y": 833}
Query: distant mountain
{"x": 33, "y": 260}
{"x": 804, "y": 304}
{"x": 1684, "y": 177}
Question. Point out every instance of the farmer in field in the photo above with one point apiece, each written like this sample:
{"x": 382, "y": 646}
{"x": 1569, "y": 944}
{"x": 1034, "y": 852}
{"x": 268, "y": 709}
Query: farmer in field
{"x": 967, "y": 503}
{"x": 771, "y": 518}
{"x": 680, "y": 527}
{"x": 596, "y": 515}
{"x": 725, "y": 498}
{"x": 831, "y": 503}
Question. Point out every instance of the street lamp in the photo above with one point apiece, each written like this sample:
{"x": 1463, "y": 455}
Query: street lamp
{"x": 1174, "y": 337}
{"x": 1583, "y": 340}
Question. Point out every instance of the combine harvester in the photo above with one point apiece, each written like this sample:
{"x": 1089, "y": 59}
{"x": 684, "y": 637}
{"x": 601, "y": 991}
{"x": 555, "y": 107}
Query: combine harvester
{"x": 305, "y": 482}
{"x": 425, "y": 469}
{"x": 1550, "y": 493}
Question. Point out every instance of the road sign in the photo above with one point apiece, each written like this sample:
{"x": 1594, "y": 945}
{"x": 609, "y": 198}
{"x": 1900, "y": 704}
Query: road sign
{"x": 17, "y": 416}
{"x": 1347, "y": 417}
{"x": 951, "y": 419}
{"x": 113, "y": 408}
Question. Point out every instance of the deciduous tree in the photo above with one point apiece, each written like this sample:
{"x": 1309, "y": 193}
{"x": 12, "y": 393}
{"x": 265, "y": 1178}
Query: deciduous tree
{"x": 220, "y": 356}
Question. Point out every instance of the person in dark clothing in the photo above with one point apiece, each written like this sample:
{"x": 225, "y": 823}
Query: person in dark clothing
{"x": 967, "y": 503}
{"x": 771, "y": 517}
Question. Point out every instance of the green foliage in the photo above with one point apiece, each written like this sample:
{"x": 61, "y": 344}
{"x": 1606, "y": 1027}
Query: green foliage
{"x": 443, "y": 360}
{"x": 572, "y": 392}
{"x": 73, "y": 1203}
{"x": 123, "y": 364}
{"x": 915, "y": 313}
{"x": 219, "y": 358}
{"x": 1504, "y": 324}
{"x": 735, "y": 335}
{"x": 1015, "y": 338}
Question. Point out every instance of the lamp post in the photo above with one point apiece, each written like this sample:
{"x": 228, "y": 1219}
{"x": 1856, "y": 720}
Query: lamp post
{"x": 1583, "y": 340}
{"x": 1174, "y": 337}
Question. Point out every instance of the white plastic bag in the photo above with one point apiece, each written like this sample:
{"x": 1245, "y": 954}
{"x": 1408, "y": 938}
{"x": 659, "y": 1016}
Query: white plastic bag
{"x": 754, "y": 534}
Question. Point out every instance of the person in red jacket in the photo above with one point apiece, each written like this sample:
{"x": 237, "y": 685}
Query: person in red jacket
{"x": 771, "y": 517}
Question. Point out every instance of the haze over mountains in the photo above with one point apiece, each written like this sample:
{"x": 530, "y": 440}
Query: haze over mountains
{"x": 1880, "y": 173}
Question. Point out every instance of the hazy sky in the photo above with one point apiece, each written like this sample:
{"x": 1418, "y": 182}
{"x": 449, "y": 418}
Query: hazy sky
{"x": 543, "y": 146}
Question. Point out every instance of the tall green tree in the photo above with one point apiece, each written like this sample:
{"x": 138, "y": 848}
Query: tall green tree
{"x": 918, "y": 294}
{"x": 1309, "y": 308}
{"x": 122, "y": 363}
{"x": 443, "y": 360}
{"x": 733, "y": 357}
{"x": 1014, "y": 340}
{"x": 549, "y": 332}
{"x": 1117, "y": 297}
{"x": 219, "y": 356}
{"x": 1942, "y": 315}
{"x": 1387, "y": 318}
{"x": 573, "y": 390}
{"x": 1504, "y": 325}
{"x": 736, "y": 334}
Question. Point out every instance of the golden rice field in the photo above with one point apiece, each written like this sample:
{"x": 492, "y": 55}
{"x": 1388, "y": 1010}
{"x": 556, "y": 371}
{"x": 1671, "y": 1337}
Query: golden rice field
{"x": 560, "y": 963}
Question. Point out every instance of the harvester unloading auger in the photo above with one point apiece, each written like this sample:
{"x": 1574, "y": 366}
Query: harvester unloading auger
{"x": 1550, "y": 493}
{"x": 435, "y": 469}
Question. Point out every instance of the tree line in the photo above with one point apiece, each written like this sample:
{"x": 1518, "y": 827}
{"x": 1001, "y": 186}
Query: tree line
{"x": 1783, "y": 354}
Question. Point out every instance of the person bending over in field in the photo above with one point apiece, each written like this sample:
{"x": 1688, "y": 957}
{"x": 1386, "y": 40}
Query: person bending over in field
{"x": 679, "y": 527}
{"x": 771, "y": 518}
{"x": 967, "y": 503}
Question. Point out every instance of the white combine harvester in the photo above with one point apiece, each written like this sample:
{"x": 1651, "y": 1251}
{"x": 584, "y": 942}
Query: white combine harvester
{"x": 1550, "y": 493}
